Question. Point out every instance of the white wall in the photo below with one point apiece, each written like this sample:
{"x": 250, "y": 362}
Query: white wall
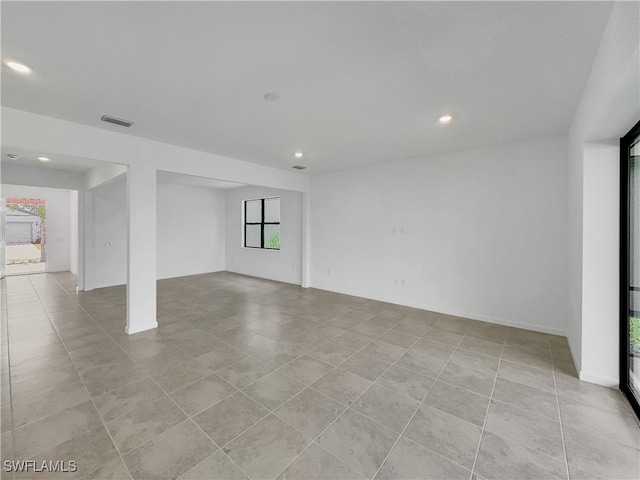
{"x": 478, "y": 233}
{"x": 41, "y": 177}
{"x": 609, "y": 107}
{"x": 284, "y": 265}
{"x": 58, "y": 224}
{"x": 191, "y": 230}
{"x": 109, "y": 234}
{"x": 73, "y": 234}
{"x": 601, "y": 252}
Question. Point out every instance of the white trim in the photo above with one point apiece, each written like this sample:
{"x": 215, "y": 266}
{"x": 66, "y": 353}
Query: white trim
{"x": 141, "y": 328}
{"x": 576, "y": 363}
{"x": 599, "y": 380}
{"x": 279, "y": 280}
{"x": 472, "y": 316}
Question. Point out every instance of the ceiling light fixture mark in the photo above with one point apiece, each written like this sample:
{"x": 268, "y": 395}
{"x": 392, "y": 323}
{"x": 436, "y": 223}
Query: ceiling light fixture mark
{"x": 18, "y": 67}
{"x": 298, "y": 154}
{"x": 44, "y": 159}
{"x": 445, "y": 119}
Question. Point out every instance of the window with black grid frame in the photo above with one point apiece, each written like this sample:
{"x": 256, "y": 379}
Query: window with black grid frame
{"x": 262, "y": 223}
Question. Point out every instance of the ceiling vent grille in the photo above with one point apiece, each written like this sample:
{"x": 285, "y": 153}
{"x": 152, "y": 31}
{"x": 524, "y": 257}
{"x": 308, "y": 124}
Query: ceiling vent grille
{"x": 117, "y": 121}
{"x": 298, "y": 167}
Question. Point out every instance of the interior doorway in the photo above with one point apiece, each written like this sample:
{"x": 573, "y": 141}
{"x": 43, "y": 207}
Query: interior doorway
{"x": 25, "y": 235}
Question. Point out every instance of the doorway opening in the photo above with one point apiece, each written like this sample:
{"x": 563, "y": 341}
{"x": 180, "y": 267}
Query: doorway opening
{"x": 25, "y": 236}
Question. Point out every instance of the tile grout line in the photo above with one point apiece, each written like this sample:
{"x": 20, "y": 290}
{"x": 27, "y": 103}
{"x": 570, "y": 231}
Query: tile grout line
{"x": 366, "y": 390}
{"x": 67, "y": 353}
{"x": 416, "y": 412}
{"x": 190, "y": 419}
{"x": 85, "y": 386}
{"x": 121, "y": 455}
{"x": 272, "y": 412}
{"x": 486, "y": 416}
{"x": 6, "y": 310}
{"x": 343, "y": 412}
{"x": 564, "y": 446}
{"x": 306, "y": 386}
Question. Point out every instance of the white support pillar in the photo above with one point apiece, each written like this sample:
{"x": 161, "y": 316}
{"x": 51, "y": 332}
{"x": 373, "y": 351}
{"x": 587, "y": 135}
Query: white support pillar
{"x": 141, "y": 254}
{"x": 306, "y": 239}
{"x": 85, "y": 239}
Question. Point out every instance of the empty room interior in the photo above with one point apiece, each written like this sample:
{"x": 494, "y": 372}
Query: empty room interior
{"x": 320, "y": 240}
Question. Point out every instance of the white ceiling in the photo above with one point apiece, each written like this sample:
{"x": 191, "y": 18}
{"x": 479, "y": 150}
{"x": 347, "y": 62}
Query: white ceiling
{"x": 194, "y": 181}
{"x": 360, "y": 82}
{"x": 29, "y": 158}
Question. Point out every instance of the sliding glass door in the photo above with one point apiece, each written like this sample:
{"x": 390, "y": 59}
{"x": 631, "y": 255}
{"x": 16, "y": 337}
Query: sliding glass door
{"x": 630, "y": 266}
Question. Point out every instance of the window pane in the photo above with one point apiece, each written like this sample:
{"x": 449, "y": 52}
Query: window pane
{"x": 254, "y": 211}
{"x": 271, "y": 210}
{"x": 252, "y": 238}
{"x": 272, "y": 236}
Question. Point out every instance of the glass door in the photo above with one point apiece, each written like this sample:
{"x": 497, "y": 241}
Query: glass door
{"x": 630, "y": 266}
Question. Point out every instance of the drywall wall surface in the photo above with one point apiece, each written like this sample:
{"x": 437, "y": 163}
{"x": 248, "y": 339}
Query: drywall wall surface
{"x": 609, "y": 107}
{"x": 73, "y": 234}
{"x": 41, "y": 177}
{"x": 191, "y": 230}
{"x": 284, "y": 265}
{"x": 109, "y": 234}
{"x": 479, "y": 233}
{"x": 601, "y": 253}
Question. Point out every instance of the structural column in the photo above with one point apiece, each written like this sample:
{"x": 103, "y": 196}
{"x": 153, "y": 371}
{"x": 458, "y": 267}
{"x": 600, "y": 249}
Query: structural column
{"x": 306, "y": 240}
{"x": 141, "y": 254}
{"x": 85, "y": 240}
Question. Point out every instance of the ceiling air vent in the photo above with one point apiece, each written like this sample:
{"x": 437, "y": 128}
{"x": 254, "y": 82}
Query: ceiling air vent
{"x": 117, "y": 121}
{"x": 298, "y": 167}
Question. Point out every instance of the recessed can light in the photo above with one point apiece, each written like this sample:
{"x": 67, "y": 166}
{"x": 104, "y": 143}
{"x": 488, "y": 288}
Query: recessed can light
{"x": 271, "y": 97}
{"x": 18, "y": 67}
{"x": 445, "y": 119}
{"x": 44, "y": 159}
{"x": 298, "y": 154}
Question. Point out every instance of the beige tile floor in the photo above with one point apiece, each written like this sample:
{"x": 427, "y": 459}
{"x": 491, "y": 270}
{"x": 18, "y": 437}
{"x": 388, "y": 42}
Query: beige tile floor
{"x": 252, "y": 378}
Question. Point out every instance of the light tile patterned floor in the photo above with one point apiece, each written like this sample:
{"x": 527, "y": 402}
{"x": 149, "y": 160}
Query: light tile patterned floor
{"x": 249, "y": 378}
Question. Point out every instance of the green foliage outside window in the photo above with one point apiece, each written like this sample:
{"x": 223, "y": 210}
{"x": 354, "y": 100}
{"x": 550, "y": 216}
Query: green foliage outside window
{"x": 274, "y": 241}
{"x": 634, "y": 335}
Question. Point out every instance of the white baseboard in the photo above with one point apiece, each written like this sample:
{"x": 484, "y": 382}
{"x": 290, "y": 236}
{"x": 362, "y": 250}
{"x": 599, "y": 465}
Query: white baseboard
{"x": 576, "y": 361}
{"x": 141, "y": 328}
{"x": 266, "y": 277}
{"x": 457, "y": 313}
{"x": 600, "y": 380}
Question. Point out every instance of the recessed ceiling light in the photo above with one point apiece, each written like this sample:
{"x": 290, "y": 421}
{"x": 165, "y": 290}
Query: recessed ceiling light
{"x": 445, "y": 119}
{"x": 44, "y": 159}
{"x": 12, "y": 156}
{"x": 271, "y": 97}
{"x": 18, "y": 67}
{"x": 298, "y": 154}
